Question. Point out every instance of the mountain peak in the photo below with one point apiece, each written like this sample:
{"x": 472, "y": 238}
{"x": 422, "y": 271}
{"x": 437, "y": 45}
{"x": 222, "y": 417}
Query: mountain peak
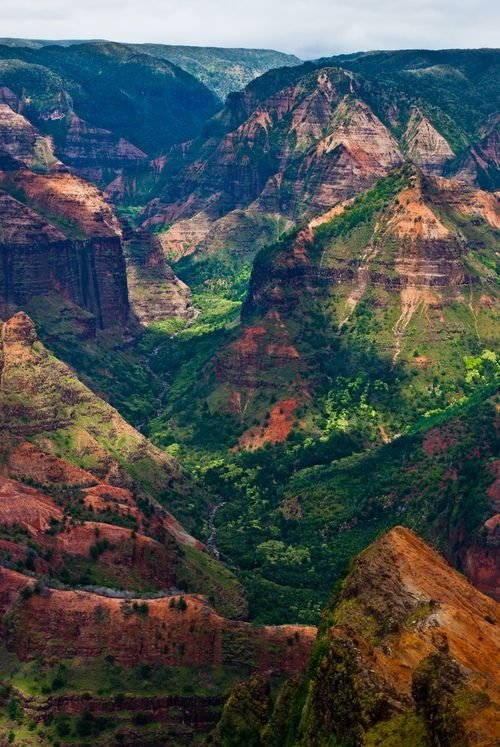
{"x": 408, "y": 635}
{"x": 20, "y": 330}
{"x": 426, "y": 147}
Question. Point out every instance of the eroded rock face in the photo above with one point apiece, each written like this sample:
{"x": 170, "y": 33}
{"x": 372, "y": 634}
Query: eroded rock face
{"x": 354, "y": 154}
{"x": 85, "y": 624}
{"x": 25, "y": 507}
{"x": 480, "y": 166}
{"x": 60, "y": 237}
{"x": 155, "y": 292}
{"x": 125, "y": 555}
{"x": 416, "y": 259}
{"x": 95, "y": 152}
{"x": 404, "y": 645}
{"x": 130, "y": 542}
{"x": 481, "y": 561}
{"x": 18, "y": 331}
{"x": 425, "y": 146}
{"x": 294, "y": 153}
{"x": 297, "y": 142}
{"x": 17, "y": 135}
{"x": 404, "y": 621}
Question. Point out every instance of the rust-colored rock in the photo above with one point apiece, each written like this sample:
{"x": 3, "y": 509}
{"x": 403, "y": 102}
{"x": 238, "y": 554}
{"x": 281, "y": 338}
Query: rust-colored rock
{"x": 56, "y": 623}
{"x": 404, "y": 615}
{"x": 26, "y": 507}
{"x": 426, "y": 147}
{"x": 61, "y": 238}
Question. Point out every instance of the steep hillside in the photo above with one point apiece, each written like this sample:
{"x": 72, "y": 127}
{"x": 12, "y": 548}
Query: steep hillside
{"x": 368, "y": 310}
{"x": 42, "y": 400}
{"x": 223, "y": 70}
{"x": 295, "y": 514}
{"x": 99, "y": 635}
{"x": 110, "y": 611}
{"x": 265, "y": 169}
{"x": 299, "y": 140}
{"x": 87, "y": 665}
{"x": 405, "y": 656}
{"x": 106, "y": 106}
{"x": 59, "y": 236}
{"x": 88, "y": 279}
{"x": 321, "y": 369}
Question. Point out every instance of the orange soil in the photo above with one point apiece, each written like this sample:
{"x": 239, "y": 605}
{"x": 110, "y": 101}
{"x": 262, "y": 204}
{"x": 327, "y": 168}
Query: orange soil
{"x": 248, "y": 344}
{"x": 472, "y": 201}
{"x": 415, "y": 220}
{"x": 26, "y": 507}
{"x": 67, "y": 196}
{"x": 422, "y": 361}
{"x": 450, "y": 615}
{"x": 438, "y": 441}
{"x": 26, "y": 462}
{"x": 277, "y": 429}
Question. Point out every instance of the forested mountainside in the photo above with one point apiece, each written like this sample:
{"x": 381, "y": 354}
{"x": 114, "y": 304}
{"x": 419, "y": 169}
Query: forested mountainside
{"x": 223, "y": 70}
{"x": 106, "y": 106}
{"x": 375, "y": 207}
{"x": 248, "y": 386}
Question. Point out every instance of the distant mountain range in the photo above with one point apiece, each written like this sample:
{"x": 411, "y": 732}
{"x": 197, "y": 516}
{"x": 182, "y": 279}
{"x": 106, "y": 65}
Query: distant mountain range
{"x": 223, "y": 70}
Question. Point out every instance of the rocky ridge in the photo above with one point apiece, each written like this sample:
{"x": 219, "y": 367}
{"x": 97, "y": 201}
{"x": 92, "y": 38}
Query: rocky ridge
{"x": 300, "y": 140}
{"x": 405, "y": 654}
{"x": 413, "y": 262}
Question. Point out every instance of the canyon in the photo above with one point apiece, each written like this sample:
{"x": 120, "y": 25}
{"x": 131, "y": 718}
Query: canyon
{"x": 248, "y": 397}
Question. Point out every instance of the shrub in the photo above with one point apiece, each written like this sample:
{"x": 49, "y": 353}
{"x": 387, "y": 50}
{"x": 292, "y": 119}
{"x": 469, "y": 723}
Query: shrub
{"x": 140, "y": 609}
{"x": 26, "y": 592}
{"x": 13, "y": 709}
{"x": 57, "y": 683}
{"x": 98, "y": 548}
{"x": 63, "y": 726}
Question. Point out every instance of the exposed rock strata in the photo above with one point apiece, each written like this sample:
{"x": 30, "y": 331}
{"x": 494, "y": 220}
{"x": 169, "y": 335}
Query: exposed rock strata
{"x": 425, "y": 146}
{"x": 55, "y": 623}
{"x": 60, "y": 237}
{"x": 408, "y": 635}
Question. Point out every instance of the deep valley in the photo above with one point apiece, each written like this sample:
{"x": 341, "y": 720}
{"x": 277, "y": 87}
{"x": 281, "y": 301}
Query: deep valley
{"x": 249, "y": 414}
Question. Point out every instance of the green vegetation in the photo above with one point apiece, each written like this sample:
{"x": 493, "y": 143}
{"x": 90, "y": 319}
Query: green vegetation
{"x": 144, "y": 99}
{"x": 107, "y": 364}
{"x": 221, "y": 69}
{"x": 393, "y": 395}
{"x": 95, "y": 681}
{"x": 295, "y": 514}
{"x": 244, "y": 714}
{"x": 435, "y": 682}
{"x": 106, "y": 678}
{"x": 457, "y": 90}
